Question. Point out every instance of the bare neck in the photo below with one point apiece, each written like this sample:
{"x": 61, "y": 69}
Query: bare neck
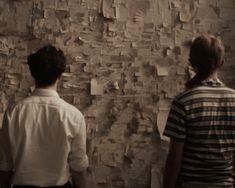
{"x": 213, "y": 76}
{"x": 51, "y": 87}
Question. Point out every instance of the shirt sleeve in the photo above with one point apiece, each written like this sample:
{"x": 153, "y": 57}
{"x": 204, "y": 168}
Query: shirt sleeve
{"x": 176, "y": 122}
{"x": 78, "y": 159}
{"x": 6, "y": 163}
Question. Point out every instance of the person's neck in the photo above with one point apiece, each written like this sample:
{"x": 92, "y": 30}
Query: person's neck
{"x": 51, "y": 87}
{"x": 213, "y": 76}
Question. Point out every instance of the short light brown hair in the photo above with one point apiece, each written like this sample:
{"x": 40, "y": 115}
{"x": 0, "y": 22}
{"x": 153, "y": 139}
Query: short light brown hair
{"x": 206, "y": 53}
{"x": 206, "y": 56}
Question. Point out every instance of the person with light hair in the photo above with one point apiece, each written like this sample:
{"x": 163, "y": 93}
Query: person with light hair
{"x": 201, "y": 124}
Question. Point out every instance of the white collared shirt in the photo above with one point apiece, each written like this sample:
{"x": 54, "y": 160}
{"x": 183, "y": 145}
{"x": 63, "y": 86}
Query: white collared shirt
{"x": 41, "y": 139}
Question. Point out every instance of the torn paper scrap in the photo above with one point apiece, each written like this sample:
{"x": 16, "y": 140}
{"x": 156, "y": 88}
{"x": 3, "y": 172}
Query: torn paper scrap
{"x": 111, "y": 86}
{"x": 185, "y": 16}
{"x": 187, "y": 13}
{"x": 4, "y": 47}
{"x": 107, "y": 9}
{"x": 161, "y": 122}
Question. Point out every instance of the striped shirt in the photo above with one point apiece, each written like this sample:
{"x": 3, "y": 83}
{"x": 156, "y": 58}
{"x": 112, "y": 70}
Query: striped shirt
{"x": 204, "y": 119}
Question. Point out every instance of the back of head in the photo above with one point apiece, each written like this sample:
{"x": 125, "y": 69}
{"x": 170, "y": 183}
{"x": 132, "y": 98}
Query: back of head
{"x": 206, "y": 56}
{"x": 46, "y": 65}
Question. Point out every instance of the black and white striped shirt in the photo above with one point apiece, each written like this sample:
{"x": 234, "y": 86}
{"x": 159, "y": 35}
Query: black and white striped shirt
{"x": 204, "y": 119}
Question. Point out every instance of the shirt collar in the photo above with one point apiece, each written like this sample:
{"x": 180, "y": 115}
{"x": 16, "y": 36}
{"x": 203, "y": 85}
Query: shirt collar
{"x": 45, "y": 92}
{"x": 212, "y": 82}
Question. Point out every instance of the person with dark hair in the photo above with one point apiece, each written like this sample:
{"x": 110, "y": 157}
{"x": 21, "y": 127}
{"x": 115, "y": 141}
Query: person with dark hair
{"x": 46, "y": 66}
{"x": 43, "y": 138}
{"x": 201, "y": 124}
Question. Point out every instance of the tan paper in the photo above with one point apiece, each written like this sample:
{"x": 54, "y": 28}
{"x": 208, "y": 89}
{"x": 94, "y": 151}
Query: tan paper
{"x": 162, "y": 71}
{"x": 107, "y": 9}
{"x": 96, "y": 88}
{"x": 161, "y": 122}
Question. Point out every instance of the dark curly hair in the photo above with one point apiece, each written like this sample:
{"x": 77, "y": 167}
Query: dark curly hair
{"x": 46, "y": 65}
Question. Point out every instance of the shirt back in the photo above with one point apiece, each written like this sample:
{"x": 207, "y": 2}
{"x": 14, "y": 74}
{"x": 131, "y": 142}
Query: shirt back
{"x": 204, "y": 119}
{"x": 47, "y": 137}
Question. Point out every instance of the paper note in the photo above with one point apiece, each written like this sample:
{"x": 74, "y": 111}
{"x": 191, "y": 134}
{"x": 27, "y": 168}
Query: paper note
{"x": 162, "y": 71}
{"x": 96, "y": 88}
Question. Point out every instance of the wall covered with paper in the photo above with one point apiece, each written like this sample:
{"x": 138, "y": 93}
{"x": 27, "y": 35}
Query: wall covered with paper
{"x": 126, "y": 60}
